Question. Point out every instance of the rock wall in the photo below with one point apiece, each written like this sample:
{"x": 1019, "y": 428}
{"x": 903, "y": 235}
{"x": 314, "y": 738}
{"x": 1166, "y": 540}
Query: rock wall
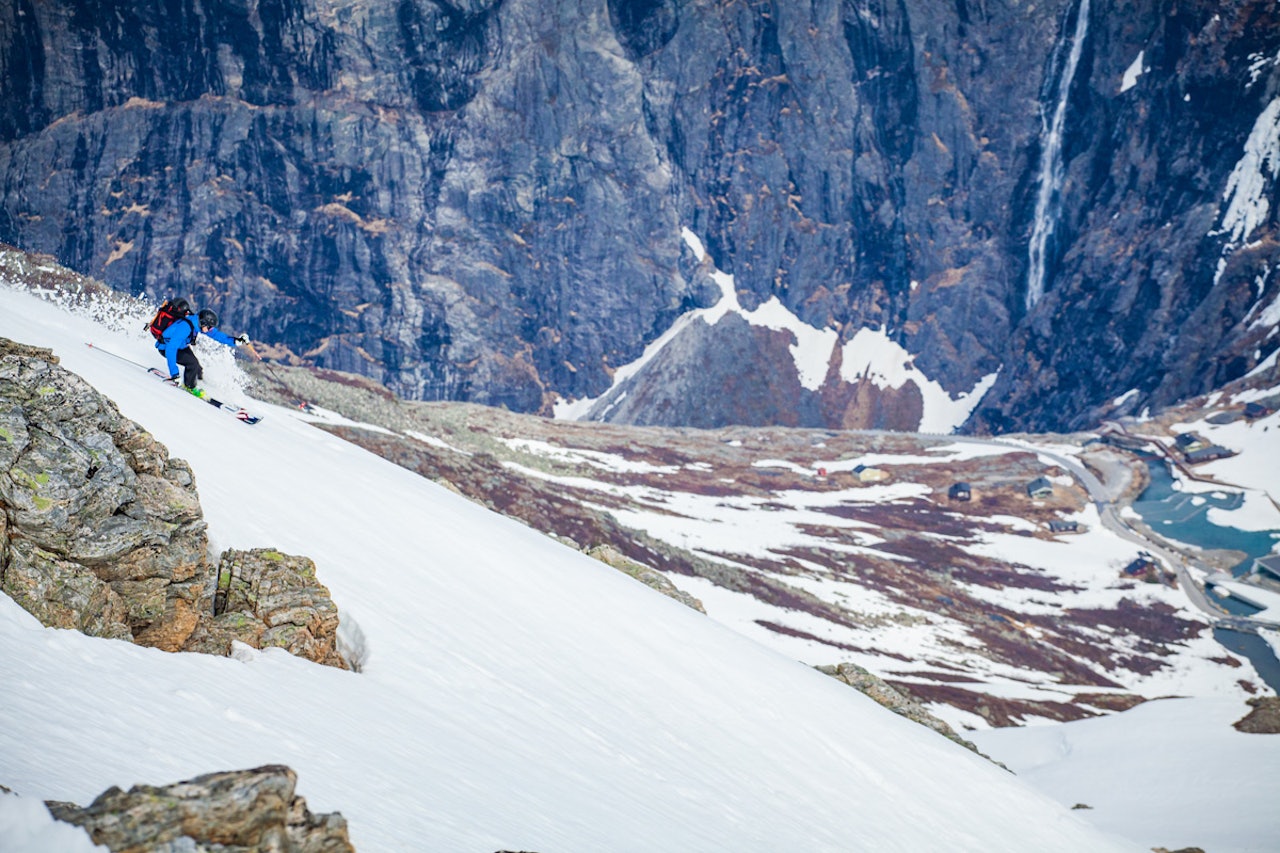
{"x": 483, "y": 200}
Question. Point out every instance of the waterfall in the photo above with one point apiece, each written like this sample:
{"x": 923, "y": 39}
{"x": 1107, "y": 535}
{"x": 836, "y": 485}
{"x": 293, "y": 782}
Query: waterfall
{"x": 1051, "y": 168}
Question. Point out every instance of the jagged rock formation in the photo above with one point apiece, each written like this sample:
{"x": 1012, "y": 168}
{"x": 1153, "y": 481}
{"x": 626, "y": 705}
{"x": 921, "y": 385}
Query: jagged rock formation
{"x": 101, "y": 531}
{"x": 484, "y": 201}
{"x": 241, "y": 811}
{"x": 266, "y": 599}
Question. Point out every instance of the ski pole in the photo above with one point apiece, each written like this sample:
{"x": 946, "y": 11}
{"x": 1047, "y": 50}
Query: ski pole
{"x": 90, "y": 345}
{"x": 301, "y": 404}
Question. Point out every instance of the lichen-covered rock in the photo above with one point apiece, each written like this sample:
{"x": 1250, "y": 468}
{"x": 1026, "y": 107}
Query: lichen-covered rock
{"x": 611, "y": 556}
{"x": 895, "y": 700}
{"x": 233, "y": 812}
{"x": 100, "y": 530}
{"x": 267, "y": 599}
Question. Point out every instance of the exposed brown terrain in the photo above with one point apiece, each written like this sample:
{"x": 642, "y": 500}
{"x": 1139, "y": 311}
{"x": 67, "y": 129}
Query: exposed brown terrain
{"x": 988, "y": 617}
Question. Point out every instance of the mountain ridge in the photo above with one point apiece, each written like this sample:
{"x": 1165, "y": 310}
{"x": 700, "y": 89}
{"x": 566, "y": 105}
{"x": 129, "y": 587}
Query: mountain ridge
{"x": 484, "y": 201}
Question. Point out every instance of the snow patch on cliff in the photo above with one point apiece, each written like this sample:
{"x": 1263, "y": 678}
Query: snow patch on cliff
{"x": 1133, "y": 72}
{"x": 1247, "y": 196}
{"x": 872, "y": 355}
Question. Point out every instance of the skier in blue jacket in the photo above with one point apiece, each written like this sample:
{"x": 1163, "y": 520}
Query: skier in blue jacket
{"x": 176, "y": 341}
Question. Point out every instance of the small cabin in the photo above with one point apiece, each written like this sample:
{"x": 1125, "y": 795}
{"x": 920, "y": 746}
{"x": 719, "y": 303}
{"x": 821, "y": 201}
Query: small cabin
{"x": 1256, "y": 410}
{"x": 1189, "y": 442}
{"x": 867, "y": 474}
{"x": 1059, "y": 526}
{"x": 1143, "y": 566}
{"x": 1208, "y": 454}
{"x": 1268, "y": 566}
{"x": 960, "y": 492}
{"x": 1040, "y": 487}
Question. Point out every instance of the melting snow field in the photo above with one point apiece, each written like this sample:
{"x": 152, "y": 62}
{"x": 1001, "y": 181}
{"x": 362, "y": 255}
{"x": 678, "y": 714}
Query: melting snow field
{"x": 515, "y": 694}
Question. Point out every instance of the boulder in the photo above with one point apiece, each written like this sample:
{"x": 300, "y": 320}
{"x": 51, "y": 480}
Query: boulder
{"x": 651, "y": 578}
{"x": 267, "y": 599}
{"x": 231, "y": 812}
{"x": 890, "y": 697}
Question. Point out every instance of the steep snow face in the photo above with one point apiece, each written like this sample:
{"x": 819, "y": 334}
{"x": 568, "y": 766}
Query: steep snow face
{"x": 872, "y": 356}
{"x": 514, "y": 694}
{"x": 1133, "y": 72}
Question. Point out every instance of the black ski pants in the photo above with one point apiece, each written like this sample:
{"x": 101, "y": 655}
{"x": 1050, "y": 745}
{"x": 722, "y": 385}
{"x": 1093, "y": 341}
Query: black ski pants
{"x": 192, "y": 372}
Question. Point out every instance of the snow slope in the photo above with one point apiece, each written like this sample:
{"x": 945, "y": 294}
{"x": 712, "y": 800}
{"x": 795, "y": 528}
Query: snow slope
{"x": 1173, "y": 773}
{"x": 515, "y": 694}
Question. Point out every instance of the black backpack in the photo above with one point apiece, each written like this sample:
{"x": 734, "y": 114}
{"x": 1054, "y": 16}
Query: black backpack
{"x": 166, "y": 317}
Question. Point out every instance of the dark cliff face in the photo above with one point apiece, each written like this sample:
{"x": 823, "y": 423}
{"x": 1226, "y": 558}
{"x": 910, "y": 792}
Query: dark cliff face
{"x": 484, "y": 200}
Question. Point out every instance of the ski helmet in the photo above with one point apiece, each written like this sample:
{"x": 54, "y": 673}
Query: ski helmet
{"x": 208, "y": 319}
{"x": 180, "y": 306}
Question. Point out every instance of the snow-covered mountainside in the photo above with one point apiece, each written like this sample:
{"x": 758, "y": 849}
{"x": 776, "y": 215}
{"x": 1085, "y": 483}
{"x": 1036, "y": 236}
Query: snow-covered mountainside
{"x": 513, "y": 695}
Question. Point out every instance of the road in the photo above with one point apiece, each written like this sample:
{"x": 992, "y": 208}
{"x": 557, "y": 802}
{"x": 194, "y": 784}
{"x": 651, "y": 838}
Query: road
{"x": 1104, "y": 498}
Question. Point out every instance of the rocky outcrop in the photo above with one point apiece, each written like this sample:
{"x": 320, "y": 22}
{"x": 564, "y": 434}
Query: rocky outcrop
{"x": 242, "y": 811}
{"x": 101, "y": 531}
{"x": 483, "y": 201}
{"x": 1263, "y": 719}
{"x": 266, "y": 599}
{"x": 611, "y": 556}
{"x": 895, "y": 700}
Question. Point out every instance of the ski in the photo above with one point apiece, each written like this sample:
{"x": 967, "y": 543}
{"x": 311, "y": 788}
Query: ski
{"x": 238, "y": 412}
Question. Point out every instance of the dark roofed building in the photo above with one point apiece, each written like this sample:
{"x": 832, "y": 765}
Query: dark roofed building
{"x": 1142, "y": 565}
{"x": 1040, "y": 487}
{"x": 1208, "y": 454}
{"x": 1256, "y": 410}
{"x": 960, "y": 492}
{"x": 1269, "y": 565}
{"x": 1189, "y": 442}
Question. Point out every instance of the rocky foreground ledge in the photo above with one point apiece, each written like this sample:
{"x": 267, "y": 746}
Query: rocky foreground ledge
{"x": 233, "y": 812}
{"x": 101, "y": 531}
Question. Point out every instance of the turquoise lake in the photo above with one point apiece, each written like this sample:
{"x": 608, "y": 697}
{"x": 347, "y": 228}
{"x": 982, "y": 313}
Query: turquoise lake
{"x": 1185, "y": 518}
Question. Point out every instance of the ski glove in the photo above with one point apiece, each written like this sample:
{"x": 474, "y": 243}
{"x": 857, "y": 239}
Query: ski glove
{"x": 242, "y": 340}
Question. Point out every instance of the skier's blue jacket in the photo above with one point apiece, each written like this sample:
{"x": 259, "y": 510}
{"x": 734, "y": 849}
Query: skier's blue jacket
{"x": 183, "y": 333}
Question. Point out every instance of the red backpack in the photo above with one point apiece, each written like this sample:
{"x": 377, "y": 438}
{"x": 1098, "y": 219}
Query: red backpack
{"x": 165, "y": 317}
